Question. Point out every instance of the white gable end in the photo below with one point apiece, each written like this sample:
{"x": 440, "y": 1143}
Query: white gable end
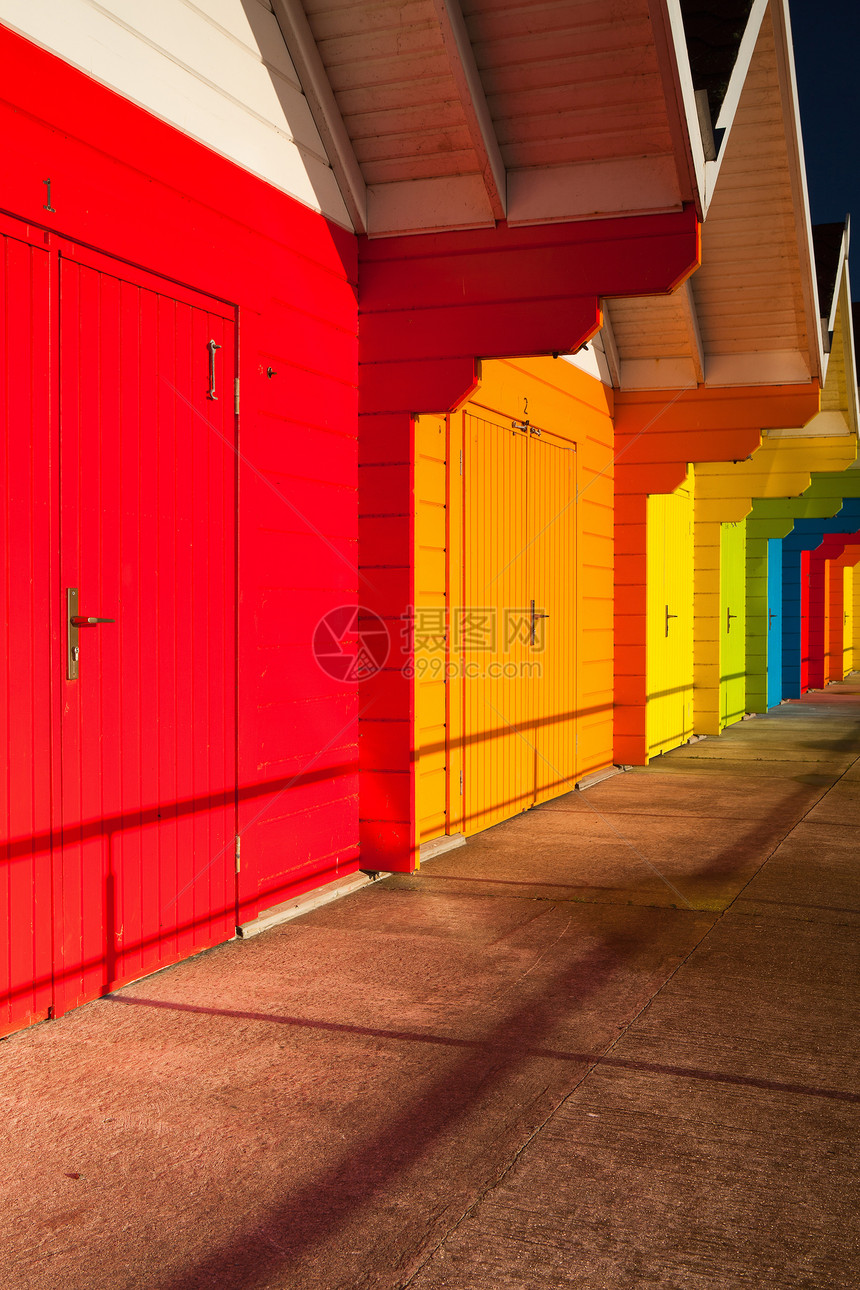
{"x": 222, "y": 76}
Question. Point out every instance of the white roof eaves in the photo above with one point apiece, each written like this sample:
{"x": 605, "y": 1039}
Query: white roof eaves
{"x": 797, "y": 172}
{"x": 668, "y": 26}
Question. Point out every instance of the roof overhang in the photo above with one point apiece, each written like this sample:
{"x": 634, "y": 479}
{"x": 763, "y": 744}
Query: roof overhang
{"x": 750, "y": 315}
{"x": 439, "y": 117}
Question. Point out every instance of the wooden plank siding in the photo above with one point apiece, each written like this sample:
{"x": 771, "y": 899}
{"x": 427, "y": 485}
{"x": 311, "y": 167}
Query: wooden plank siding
{"x": 220, "y": 73}
{"x": 147, "y": 195}
{"x": 431, "y": 656}
{"x": 669, "y": 655}
{"x": 806, "y": 537}
{"x": 27, "y": 545}
{"x": 539, "y": 735}
{"x": 781, "y": 467}
{"x": 659, "y": 433}
{"x": 758, "y": 622}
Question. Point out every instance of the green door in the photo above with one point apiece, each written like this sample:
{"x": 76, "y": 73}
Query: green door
{"x": 733, "y": 627}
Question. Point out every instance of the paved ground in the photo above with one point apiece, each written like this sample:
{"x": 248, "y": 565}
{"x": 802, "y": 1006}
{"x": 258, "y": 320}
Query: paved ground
{"x": 611, "y": 1043}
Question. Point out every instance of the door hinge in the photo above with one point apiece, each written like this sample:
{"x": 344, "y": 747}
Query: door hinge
{"x": 238, "y": 853}
{"x": 461, "y": 783}
{"x": 461, "y": 461}
{"x": 236, "y": 396}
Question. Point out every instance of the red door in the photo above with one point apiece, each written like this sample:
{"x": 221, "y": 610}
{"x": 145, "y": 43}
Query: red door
{"x": 147, "y": 730}
{"x": 25, "y": 641}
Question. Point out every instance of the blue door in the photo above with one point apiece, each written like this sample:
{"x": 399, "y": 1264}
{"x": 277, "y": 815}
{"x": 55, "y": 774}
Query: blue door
{"x": 774, "y": 622}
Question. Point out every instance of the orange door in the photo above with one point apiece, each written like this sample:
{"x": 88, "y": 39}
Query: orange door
{"x": 515, "y": 632}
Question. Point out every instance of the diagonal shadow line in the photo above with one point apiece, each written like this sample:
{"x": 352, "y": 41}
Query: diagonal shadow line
{"x": 321, "y": 1206}
{"x": 308, "y": 1218}
{"x": 800, "y": 904}
{"x": 451, "y": 1041}
{"x": 600, "y": 815}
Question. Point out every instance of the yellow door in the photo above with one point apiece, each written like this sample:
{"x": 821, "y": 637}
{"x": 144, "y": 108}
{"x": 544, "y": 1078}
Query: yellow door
{"x": 515, "y": 631}
{"x": 733, "y": 624}
{"x": 551, "y": 592}
{"x": 431, "y": 626}
{"x": 498, "y": 760}
{"x": 848, "y": 619}
{"x": 669, "y": 712}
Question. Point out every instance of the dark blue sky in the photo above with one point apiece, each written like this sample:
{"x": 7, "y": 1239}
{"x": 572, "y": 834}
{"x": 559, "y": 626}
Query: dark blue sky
{"x": 827, "y": 56}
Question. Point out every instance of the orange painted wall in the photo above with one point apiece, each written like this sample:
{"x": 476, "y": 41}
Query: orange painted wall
{"x": 658, "y": 434}
{"x": 834, "y": 660}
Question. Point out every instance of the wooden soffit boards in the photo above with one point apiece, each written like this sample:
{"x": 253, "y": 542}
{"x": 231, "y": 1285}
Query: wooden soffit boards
{"x": 750, "y": 314}
{"x": 444, "y": 114}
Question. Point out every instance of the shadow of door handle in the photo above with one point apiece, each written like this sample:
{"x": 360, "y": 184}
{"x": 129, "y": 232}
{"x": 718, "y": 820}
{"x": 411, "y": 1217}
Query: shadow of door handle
{"x": 668, "y": 616}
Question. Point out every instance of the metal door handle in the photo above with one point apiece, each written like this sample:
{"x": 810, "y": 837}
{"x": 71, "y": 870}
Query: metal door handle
{"x": 668, "y": 616}
{"x": 74, "y": 622}
{"x": 771, "y": 614}
{"x": 535, "y": 617}
{"x": 212, "y": 348}
{"x": 729, "y": 617}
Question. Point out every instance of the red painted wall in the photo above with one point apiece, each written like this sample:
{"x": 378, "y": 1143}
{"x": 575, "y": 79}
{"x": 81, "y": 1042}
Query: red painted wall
{"x": 826, "y": 608}
{"x": 129, "y": 185}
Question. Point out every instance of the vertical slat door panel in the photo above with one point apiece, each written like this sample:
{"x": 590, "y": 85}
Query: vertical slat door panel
{"x": 805, "y": 561}
{"x": 431, "y": 624}
{"x": 550, "y": 680}
{"x": 519, "y": 709}
{"x": 25, "y": 642}
{"x": 147, "y": 502}
{"x": 847, "y": 620}
{"x": 657, "y": 713}
{"x": 733, "y": 622}
{"x": 679, "y": 569}
{"x": 774, "y": 622}
{"x": 820, "y": 624}
{"x": 670, "y": 620}
{"x": 498, "y": 755}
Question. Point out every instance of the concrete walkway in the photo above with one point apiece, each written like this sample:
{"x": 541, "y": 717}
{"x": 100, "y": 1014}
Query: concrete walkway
{"x": 611, "y": 1043}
